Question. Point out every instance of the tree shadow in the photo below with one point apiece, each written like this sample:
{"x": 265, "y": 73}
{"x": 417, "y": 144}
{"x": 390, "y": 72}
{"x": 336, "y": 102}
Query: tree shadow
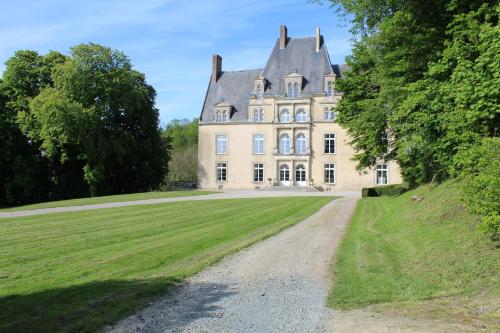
{"x": 91, "y": 306}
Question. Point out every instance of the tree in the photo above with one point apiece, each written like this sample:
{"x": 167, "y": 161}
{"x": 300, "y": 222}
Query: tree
{"x": 183, "y": 138}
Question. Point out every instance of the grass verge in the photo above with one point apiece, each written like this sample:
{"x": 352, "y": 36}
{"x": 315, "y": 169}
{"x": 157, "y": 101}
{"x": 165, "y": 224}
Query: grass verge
{"x": 106, "y": 199}
{"x": 400, "y": 252}
{"x": 78, "y": 271}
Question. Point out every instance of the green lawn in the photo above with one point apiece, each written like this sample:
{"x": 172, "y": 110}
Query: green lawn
{"x": 105, "y": 199}
{"x": 400, "y": 250}
{"x": 81, "y": 270}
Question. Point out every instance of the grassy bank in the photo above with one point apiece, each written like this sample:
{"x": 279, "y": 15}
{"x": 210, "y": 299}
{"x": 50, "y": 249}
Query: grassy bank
{"x": 105, "y": 199}
{"x": 402, "y": 252}
{"x": 79, "y": 271}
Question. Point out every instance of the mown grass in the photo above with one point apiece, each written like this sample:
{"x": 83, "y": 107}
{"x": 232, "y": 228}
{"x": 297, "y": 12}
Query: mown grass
{"x": 78, "y": 271}
{"x": 106, "y": 199}
{"x": 400, "y": 250}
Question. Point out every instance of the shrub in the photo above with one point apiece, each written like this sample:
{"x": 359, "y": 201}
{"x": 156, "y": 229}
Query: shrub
{"x": 385, "y": 190}
{"x": 479, "y": 167}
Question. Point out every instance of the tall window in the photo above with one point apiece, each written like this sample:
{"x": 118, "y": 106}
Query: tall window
{"x": 329, "y": 88}
{"x": 221, "y": 144}
{"x": 382, "y": 174}
{"x": 289, "y": 91}
{"x": 258, "y": 172}
{"x": 221, "y": 171}
{"x": 285, "y": 116}
{"x": 301, "y": 115}
{"x": 301, "y": 144}
{"x": 296, "y": 89}
{"x": 284, "y": 173}
{"x": 329, "y": 143}
{"x": 225, "y": 116}
{"x": 258, "y": 115}
{"x": 258, "y": 144}
{"x": 329, "y": 114}
{"x": 329, "y": 173}
{"x": 284, "y": 144}
{"x": 300, "y": 173}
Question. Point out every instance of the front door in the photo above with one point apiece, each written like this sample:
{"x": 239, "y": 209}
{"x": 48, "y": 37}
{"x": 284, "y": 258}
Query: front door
{"x": 284, "y": 175}
{"x": 300, "y": 175}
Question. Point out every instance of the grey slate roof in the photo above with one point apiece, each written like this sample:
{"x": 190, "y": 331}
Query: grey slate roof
{"x": 298, "y": 56}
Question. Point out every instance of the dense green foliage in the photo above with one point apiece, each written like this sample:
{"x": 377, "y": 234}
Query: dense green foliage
{"x": 77, "y": 125}
{"x": 397, "y": 249}
{"x": 183, "y": 138}
{"x": 76, "y": 272}
{"x": 424, "y": 82}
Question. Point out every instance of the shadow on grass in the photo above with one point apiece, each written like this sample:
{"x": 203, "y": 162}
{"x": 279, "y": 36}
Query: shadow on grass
{"x": 92, "y": 306}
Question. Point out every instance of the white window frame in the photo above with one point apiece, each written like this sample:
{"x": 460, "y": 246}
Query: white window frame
{"x": 255, "y": 138}
{"x": 301, "y": 144}
{"x": 282, "y": 113}
{"x": 327, "y": 139}
{"x": 282, "y": 171}
{"x": 218, "y": 165}
{"x": 328, "y": 114}
{"x": 295, "y": 89}
{"x": 289, "y": 91}
{"x": 326, "y": 168}
{"x": 384, "y": 167}
{"x": 289, "y": 148}
{"x": 303, "y": 113}
{"x": 258, "y": 115}
{"x": 256, "y": 166}
{"x": 217, "y": 137}
{"x": 303, "y": 172}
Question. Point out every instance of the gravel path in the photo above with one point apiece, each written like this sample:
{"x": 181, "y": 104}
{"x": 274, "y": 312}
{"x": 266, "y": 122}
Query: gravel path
{"x": 223, "y": 195}
{"x": 277, "y": 285}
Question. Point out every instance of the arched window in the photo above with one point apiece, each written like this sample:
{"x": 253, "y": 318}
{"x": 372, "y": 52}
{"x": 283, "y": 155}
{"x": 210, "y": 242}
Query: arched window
{"x": 289, "y": 90}
{"x": 301, "y": 144}
{"x": 301, "y": 115}
{"x": 225, "y": 116}
{"x": 329, "y": 114}
{"x": 285, "y": 116}
{"x": 284, "y": 144}
{"x": 258, "y": 115}
{"x": 300, "y": 173}
{"x": 329, "y": 88}
{"x": 284, "y": 173}
{"x": 218, "y": 116}
{"x": 296, "y": 89}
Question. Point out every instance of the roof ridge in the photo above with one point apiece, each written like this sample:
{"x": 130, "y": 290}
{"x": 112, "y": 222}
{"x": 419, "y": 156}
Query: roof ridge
{"x": 244, "y": 70}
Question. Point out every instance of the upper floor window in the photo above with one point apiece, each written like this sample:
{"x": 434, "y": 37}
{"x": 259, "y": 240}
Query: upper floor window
{"x": 258, "y": 115}
{"x": 301, "y": 115}
{"x": 329, "y": 88}
{"x": 284, "y": 144}
{"x": 301, "y": 144}
{"x": 221, "y": 116}
{"x": 285, "y": 116}
{"x": 289, "y": 91}
{"x": 329, "y": 143}
{"x": 296, "y": 89}
{"x": 258, "y": 144}
{"x": 221, "y": 144}
{"x": 329, "y": 114}
{"x": 382, "y": 174}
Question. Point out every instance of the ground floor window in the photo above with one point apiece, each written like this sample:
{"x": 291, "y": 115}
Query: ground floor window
{"x": 330, "y": 173}
{"x": 221, "y": 171}
{"x": 300, "y": 173}
{"x": 258, "y": 172}
{"x": 284, "y": 173}
{"x": 382, "y": 174}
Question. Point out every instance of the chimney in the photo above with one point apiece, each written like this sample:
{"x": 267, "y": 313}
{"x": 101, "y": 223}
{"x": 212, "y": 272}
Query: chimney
{"x": 216, "y": 67}
{"x": 318, "y": 39}
{"x": 283, "y": 36}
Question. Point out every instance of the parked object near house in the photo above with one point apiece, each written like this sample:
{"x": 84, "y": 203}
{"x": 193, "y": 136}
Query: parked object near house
{"x": 278, "y": 123}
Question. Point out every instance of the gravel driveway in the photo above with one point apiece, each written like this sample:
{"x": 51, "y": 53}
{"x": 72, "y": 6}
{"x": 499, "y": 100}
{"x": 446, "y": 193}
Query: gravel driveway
{"x": 277, "y": 285}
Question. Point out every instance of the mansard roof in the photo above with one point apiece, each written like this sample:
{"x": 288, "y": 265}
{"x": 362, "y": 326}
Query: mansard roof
{"x": 299, "y": 56}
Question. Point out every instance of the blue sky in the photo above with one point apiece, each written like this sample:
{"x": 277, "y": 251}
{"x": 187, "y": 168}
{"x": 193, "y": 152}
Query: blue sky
{"x": 172, "y": 42}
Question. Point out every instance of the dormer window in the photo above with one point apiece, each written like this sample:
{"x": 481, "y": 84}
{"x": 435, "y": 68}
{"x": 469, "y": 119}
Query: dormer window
{"x": 329, "y": 114}
{"x": 258, "y": 115}
{"x": 258, "y": 91}
{"x": 260, "y": 85}
{"x": 222, "y": 112}
{"x": 293, "y": 83}
{"x": 225, "y": 116}
{"x": 330, "y": 85}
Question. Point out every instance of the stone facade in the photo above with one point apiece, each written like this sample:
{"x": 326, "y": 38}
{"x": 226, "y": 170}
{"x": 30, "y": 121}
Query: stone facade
{"x": 276, "y": 126}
